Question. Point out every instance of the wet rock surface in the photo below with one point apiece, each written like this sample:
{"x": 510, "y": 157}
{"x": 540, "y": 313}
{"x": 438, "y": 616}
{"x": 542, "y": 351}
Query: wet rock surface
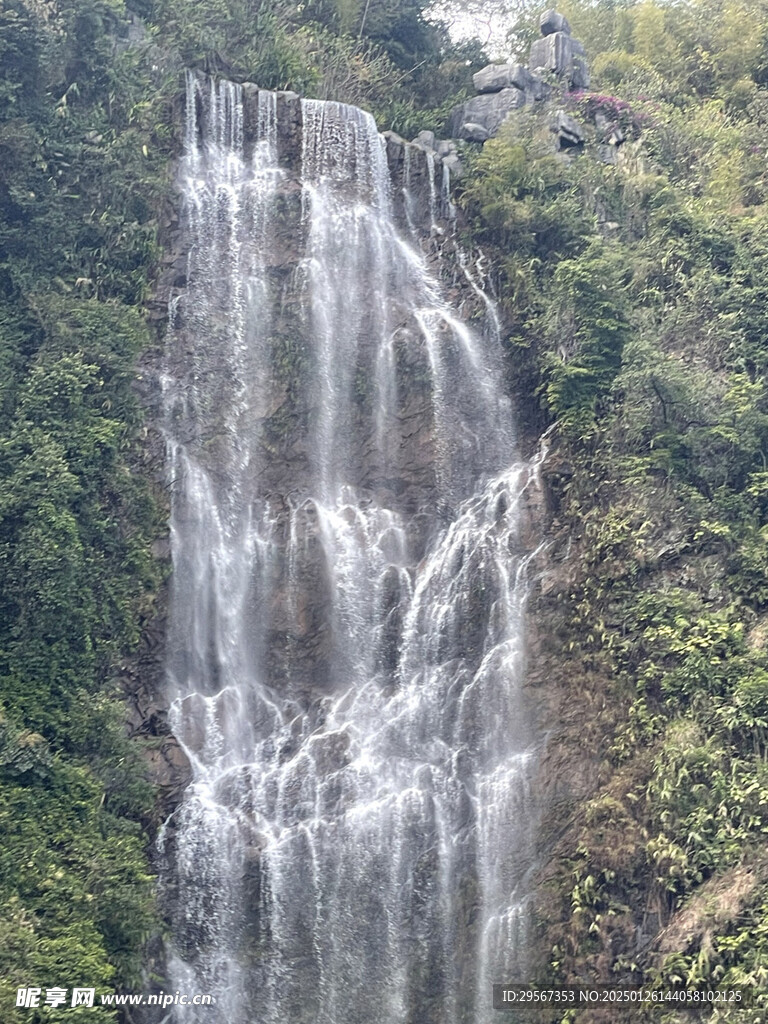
{"x": 297, "y": 639}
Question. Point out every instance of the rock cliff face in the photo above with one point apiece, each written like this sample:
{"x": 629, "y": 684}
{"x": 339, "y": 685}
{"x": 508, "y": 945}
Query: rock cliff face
{"x": 350, "y": 535}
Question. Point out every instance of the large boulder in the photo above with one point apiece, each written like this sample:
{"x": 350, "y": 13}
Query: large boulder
{"x": 562, "y": 56}
{"x": 493, "y": 78}
{"x": 496, "y": 77}
{"x": 552, "y": 53}
{"x": 552, "y": 22}
{"x": 489, "y": 110}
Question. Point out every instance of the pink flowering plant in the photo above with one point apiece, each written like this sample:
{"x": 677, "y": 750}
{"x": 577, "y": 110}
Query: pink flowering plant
{"x": 617, "y": 113}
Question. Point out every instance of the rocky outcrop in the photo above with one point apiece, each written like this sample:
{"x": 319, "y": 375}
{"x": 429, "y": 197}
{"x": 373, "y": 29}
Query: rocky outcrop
{"x": 568, "y": 131}
{"x": 493, "y": 78}
{"x": 489, "y": 110}
{"x": 558, "y": 53}
{"x": 556, "y": 60}
{"x": 444, "y": 151}
{"x": 496, "y": 77}
{"x": 552, "y": 22}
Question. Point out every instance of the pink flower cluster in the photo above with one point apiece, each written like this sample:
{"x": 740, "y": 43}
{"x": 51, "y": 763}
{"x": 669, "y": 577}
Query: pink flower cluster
{"x": 618, "y": 113}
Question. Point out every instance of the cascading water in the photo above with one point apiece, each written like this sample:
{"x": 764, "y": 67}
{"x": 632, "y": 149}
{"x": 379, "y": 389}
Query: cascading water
{"x": 345, "y": 639}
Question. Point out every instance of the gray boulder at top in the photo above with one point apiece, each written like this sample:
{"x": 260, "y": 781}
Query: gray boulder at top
{"x": 488, "y": 110}
{"x": 552, "y": 22}
{"x": 503, "y": 88}
{"x": 552, "y": 53}
{"x": 563, "y": 56}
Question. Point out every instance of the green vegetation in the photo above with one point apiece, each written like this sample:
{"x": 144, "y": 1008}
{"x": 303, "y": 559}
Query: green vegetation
{"x": 89, "y": 122}
{"x": 636, "y": 291}
{"x": 78, "y": 193}
{"x": 79, "y": 189}
{"x": 637, "y": 298}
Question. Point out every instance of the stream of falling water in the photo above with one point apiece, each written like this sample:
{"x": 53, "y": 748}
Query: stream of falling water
{"x": 345, "y": 644}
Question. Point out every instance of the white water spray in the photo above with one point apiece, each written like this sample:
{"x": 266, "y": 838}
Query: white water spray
{"x": 345, "y": 651}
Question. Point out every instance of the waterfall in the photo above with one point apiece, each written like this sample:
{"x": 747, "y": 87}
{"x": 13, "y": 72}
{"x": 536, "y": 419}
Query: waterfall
{"x": 345, "y": 639}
